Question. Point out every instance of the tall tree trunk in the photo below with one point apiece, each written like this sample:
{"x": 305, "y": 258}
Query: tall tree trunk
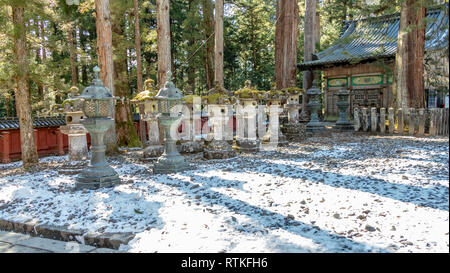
{"x": 137, "y": 32}
{"x": 22, "y": 92}
{"x": 105, "y": 60}
{"x": 309, "y": 47}
{"x": 218, "y": 57}
{"x": 408, "y": 87}
{"x": 125, "y": 130}
{"x": 286, "y": 36}
{"x": 38, "y": 56}
{"x": 72, "y": 54}
{"x": 163, "y": 31}
{"x": 416, "y": 41}
{"x": 208, "y": 21}
{"x": 191, "y": 42}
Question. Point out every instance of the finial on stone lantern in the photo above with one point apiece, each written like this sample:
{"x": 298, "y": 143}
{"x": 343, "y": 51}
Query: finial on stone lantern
{"x": 96, "y": 72}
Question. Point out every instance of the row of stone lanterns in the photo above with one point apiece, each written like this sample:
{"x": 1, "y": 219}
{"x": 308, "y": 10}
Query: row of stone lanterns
{"x": 96, "y": 104}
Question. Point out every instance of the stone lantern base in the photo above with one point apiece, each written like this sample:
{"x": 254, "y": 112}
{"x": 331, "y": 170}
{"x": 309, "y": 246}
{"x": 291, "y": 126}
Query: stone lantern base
{"x": 72, "y": 167}
{"x": 98, "y": 173}
{"x": 282, "y": 141}
{"x": 95, "y": 177}
{"x": 78, "y": 151}
{"x": 219, "y": 149}
{"x": 344, "y": 126}
{"x": 152, "y": 152}
{"x": 295, "y": 132}
{"x": 190, "y": 147}
{"x": 246, "y": 145}
{"x": 315, "y": 126}
{"x": 170, "y": 164}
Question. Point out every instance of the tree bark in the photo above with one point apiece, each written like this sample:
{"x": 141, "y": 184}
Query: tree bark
{"x": 72, "y": 54}
{"x": 191, "y": 42}
{"x": 105, "y": 60}
{"x": 208, "y": 21}
{"x": 125, "y": 130}
{"x": 163, "y": 32}
{"x": 309, "y": 46}
{"x": 38, "y": 55}
{"x": 416, "y": 41}
{"x": 408, "y": 88}
{"x": 218, "y": 57}
{"x": 286, "y": 37}
{"x": 138, "y": 45}
{"x": 22, "y": 92}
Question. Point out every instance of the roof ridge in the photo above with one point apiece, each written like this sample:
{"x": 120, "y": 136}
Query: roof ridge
{"x": 393, "y": 16}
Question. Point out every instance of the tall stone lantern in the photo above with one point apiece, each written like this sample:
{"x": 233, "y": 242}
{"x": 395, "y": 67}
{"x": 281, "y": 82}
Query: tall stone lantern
{"x": 168, "y": 98}
{"x": 343, "y": 123}
{"x": 220, "y": 112}
{"x": 294, "y": 130}
{"x": 147, "y": 98}
{"x": 78, "y": 150}
{"x": 314, "y": 105}
{"x": 97, "y": 105}
{"x": 273, "y": 103}
{"x": 246, "y": 119}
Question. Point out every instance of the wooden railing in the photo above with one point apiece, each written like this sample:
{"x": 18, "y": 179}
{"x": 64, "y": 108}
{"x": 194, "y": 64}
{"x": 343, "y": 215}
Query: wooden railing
{"x": 433, "y": 121}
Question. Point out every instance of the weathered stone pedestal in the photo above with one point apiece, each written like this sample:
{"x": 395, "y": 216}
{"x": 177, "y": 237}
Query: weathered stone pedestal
{"x": 192, "y": 142}
{"x": 78, "y": 150}
{"x": 343, "y": 124}
{"x": 154, "y": 149}
{"x": 274, "y": 136}
{"x": 98, "y": 173}
{"x": 170, "y": 161}
{"x": 219, "y": 148}
{"x": 293, "y": 130}
{"x": 246, "y": 140}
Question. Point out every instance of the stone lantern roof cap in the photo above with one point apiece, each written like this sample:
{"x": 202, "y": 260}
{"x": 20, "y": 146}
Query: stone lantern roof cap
{"x": 169, "y": 91}
{"x": 96, "y": 90}
{"x": 314, "y": 90}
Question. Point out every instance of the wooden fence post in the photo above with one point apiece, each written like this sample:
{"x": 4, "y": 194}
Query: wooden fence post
{"x": 400, "y": 121}
{"x": 382, "y": 120}
{"x": 439, "y": 122}
{"x": 432, "y": 114}
{"x": 412, "y": 121}
{"x": 356, "y": 119}
{"x": 373, "y": 119}
{"x": 446, "y": 121}
{"x": 365, "y": 119}
{"x": 421, "y": 131}
{"x": 391, "y": 120}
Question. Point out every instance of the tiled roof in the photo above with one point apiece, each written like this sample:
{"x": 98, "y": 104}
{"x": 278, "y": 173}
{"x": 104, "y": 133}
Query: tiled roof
{"x": 38, "y": 122}
{"x": 371, "y": 38}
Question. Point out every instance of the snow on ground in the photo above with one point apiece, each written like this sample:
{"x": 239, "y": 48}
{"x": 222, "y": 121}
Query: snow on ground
{"x": 340, "y": 194}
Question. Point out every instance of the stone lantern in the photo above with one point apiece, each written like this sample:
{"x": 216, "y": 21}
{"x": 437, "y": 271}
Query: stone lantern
{"x": 190, "y": 138}
{"x": 246, "y": 114}
{"x": 78, "y": 150}
{"x": 168, "y": 98}
{"x": 314, "y": 105}
{"x": 97, "y": 104}
{"x": 293, "y": 129}
{"x": 273, "y": 101}
{"x": 147, "y": 99}
{"x": 343, "y": 123}
{"x": 220, "y": 112}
